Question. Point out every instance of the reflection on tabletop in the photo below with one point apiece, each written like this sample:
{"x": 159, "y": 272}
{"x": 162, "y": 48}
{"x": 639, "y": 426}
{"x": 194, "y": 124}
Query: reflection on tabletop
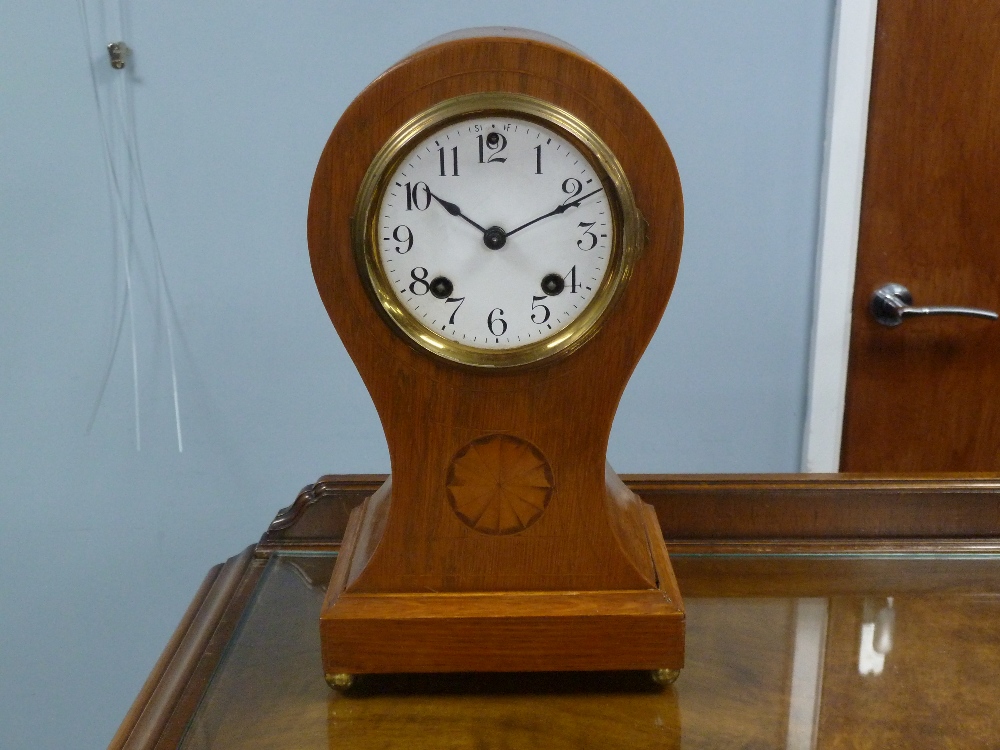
{"x": 781, "y": 653}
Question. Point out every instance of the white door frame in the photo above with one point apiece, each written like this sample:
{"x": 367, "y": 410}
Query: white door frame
{"x": 840, "y": 212}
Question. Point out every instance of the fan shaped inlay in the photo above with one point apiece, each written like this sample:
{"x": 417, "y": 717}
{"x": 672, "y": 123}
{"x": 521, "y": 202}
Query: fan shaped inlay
{"x": 499, "y": 484}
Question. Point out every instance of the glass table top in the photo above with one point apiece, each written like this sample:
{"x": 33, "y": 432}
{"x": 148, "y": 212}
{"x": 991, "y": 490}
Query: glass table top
{"x": 782, "y": 652}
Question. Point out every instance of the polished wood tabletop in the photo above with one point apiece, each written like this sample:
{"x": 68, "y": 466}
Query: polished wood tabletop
{"x": 844, "y": 652}
{"x": 790, "y": 644}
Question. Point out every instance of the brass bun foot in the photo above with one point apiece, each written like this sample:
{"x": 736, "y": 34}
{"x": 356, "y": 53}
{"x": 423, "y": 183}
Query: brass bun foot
{"x": 664, "y": 677}
{"x": 340, "y": 681}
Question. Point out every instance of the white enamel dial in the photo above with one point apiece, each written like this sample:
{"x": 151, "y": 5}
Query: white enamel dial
{"x": 495, "y": 232}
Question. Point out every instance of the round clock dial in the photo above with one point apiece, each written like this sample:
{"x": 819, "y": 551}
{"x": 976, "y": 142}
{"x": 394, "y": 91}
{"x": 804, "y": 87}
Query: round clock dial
{"x": 495, "y": 237}
{"x": 495, "y": 232}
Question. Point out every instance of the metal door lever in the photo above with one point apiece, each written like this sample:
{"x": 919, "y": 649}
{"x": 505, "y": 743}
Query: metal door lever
{"x": 890, "y": 304}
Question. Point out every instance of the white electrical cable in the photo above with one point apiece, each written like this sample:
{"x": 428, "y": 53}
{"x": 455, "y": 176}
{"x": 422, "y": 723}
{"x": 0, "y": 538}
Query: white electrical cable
{"x": 117, "y": 205}
{"x": 123, "y": 212}
{"x": 163, "y": 290}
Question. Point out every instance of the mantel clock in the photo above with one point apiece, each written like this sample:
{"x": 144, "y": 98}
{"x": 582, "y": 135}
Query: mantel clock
{"x": 495, "y": 227}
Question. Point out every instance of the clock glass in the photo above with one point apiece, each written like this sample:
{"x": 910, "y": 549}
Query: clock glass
{"x": 494, "y": 237}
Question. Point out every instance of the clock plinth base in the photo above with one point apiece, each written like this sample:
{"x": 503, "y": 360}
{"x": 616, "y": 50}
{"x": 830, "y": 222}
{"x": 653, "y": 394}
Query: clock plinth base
{"x": 532, "y": 631}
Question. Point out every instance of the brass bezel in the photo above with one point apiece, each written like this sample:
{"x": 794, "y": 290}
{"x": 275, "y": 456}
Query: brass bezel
{"x": 626, "y": 246}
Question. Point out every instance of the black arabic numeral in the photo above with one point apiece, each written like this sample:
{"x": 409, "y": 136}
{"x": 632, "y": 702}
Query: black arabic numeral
{"x": 571, "y": 276}
{"x": 459, "y": 300}
{"x": 454, "y": 161}
{"x": 490, "y": 147}
{"x": 587, "y": 225}
{"x": 415, "y": 193}
{"x": 538, "y": 159}
{"x": 491, "y": 321}
{"x": 420, "y": 280}
{"x": 572, "y": 187}
{"x": 408, "y": 238}
{"x": 535, "y": 307}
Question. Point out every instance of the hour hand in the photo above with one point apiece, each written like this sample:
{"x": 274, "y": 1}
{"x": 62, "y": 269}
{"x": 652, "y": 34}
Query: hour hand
{"x": 454, "y": 210}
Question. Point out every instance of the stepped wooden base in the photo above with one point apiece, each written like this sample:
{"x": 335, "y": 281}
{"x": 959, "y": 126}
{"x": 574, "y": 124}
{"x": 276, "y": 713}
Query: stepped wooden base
{"x": 505, "y": 631}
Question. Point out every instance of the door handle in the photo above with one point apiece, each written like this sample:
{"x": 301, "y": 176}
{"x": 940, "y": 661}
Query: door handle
{"x": 891, "y": 303}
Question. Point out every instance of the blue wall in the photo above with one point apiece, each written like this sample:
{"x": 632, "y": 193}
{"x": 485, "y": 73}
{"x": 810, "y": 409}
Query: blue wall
{"x": 101, "y": 546}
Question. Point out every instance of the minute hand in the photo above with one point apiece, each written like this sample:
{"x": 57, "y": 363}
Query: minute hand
{"x": 558, "y": 210}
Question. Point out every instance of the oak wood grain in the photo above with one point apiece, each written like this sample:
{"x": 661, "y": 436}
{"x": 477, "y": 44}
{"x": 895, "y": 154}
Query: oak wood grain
{"x": 547, "y": 631}
{"x": 456, "y": 529}
{"x": 431, "y": 409}
{"x": 502, "y": 631}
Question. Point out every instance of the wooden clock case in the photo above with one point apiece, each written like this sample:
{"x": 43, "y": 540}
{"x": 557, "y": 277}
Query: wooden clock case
{"x": 585, "y": 585}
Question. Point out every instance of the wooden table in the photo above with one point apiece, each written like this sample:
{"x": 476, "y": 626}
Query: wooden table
{"x": 822, "y": 612}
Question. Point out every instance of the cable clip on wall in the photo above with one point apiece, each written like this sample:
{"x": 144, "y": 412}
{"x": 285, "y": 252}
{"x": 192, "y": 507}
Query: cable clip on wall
{"x": 118, "y": 52}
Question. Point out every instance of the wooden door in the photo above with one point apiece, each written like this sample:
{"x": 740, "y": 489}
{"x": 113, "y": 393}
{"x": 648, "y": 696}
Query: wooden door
{"x": 925, "y": 395}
